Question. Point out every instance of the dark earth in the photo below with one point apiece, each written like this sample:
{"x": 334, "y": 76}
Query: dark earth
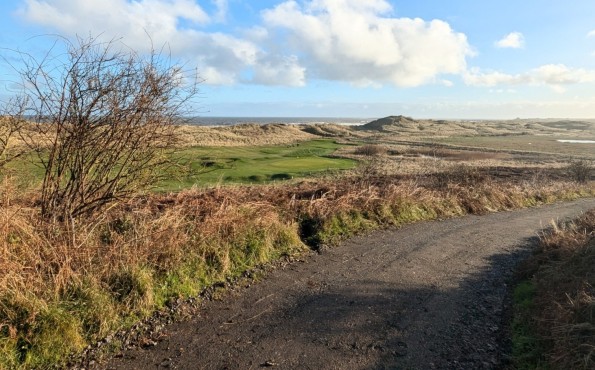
{"x": 428, "y": 295}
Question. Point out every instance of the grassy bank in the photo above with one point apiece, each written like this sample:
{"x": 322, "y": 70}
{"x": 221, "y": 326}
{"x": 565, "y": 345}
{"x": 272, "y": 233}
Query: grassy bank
{"x": 67, "y": 285}
{"x": 554, "y": 323}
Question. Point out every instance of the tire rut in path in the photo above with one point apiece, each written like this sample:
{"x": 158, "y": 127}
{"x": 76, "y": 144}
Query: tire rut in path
{"x": 428, "y": 295}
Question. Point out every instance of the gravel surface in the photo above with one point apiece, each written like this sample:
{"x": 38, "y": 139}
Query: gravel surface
{"x": 428, "y": 295}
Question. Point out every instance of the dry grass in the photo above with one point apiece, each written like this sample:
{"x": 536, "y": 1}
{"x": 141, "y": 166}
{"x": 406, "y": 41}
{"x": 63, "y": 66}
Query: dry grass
{"x": 409, "y": 127}
{"x": 564, "y": 301}
{"x": 241, "y": 135}
{"x": 64, "y": 286}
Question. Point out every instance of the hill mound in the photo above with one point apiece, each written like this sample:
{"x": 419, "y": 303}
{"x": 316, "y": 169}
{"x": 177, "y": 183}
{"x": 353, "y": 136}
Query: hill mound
{"x": 389, "y": 123}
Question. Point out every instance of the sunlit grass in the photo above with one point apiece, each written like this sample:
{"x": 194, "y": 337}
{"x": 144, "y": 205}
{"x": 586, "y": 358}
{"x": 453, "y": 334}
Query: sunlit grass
{"x": 254, "y": 164}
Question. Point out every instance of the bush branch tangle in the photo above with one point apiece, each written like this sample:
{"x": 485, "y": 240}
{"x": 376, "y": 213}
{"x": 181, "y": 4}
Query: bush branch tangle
{"x": 11, "y": 125}
{"x": 105, "y": 116}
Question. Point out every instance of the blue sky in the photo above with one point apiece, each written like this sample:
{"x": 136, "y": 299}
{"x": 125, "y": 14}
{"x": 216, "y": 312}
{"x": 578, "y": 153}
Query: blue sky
{"x": 346, "y": 58}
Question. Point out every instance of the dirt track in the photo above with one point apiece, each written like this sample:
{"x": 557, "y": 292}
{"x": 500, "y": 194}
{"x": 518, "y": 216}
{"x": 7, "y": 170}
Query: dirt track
{"x": 429, "y": 295}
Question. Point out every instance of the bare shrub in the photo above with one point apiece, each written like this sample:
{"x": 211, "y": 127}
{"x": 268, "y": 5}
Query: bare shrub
{"x": 106, "y": 115}
{"x": 580, "y": 170}
{"x": 370, "y": 150}
{"x": 11, "y": 124}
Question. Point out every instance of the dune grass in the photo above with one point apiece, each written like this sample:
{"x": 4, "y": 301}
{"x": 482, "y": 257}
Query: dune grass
{"x": 526, "y": 143}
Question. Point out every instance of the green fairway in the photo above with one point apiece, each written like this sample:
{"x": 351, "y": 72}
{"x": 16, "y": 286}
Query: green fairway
{"x": 212, "y": 165}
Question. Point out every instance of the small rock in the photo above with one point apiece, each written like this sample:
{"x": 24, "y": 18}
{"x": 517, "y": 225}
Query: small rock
{"x": 166, "y": 362}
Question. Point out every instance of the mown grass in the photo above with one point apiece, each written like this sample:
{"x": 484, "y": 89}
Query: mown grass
{"x": 554, "y": 315}
{"x": 202, "y": 166}
{"x": 253, "y": 164}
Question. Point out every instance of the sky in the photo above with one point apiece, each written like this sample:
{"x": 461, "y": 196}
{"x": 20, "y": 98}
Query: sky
{"x": 464, "y": 59}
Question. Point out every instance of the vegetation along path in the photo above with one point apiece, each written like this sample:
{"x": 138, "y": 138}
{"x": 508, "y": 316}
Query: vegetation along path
{"x": 428, "y": 295}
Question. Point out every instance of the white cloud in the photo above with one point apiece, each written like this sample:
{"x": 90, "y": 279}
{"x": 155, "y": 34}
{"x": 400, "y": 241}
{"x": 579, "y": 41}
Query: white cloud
{"x": 355, "y": 41}
{"x": 591, "y": 34}
{"x": 476, "y": 77}
{"x": 222, "y": 9}
{"x": 447, "y": 83}
{"x": 221, "y": 58}
{"x": 559, "y": 74}
{"x": 514, "y": 40}
{"x": 118, "y": 18}
{"x": 286, "y": 71}
{"x": 346, "y": 40}
{"x": 555, "y": 76}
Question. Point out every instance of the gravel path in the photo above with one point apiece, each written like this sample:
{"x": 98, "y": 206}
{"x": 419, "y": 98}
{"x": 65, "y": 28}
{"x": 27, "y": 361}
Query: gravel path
{"x": 428, "y": 295}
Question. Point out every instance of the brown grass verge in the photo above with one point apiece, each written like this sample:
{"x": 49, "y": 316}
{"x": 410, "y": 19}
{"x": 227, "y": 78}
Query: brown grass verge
{"x": 64, "y": 286}
{"x": 564, "y": 301}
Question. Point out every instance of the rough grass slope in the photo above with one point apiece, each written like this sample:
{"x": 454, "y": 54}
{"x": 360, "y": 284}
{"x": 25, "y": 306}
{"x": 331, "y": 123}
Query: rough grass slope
{"x": 67, "y": 285}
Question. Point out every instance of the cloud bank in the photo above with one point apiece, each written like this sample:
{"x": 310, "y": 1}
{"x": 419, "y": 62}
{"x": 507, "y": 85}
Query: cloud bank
{"x": 344, "y": 40}
{"x": 357, "y": 41}
{"x": 555, "y": 76}
{"x": 352, "y": 41}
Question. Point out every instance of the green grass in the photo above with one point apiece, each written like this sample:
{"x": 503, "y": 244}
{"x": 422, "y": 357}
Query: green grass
{"x": 526, "y": 349}
{"x": 201, "y": 166}
{"x": 257, "y": 164}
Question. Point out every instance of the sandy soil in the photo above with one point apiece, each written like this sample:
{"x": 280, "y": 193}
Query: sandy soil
{"x": 429, "y": 295}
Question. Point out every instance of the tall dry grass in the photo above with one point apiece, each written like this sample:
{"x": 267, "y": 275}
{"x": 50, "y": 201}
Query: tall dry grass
{"x": 64, "y": 286}
{"x": 564, "y": 302}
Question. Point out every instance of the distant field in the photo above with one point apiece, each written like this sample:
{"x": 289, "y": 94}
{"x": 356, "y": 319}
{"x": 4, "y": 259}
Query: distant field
{"x": 254, "y": 164}
{"x": 530, "y": 143}
{"x": 202, "y": 166}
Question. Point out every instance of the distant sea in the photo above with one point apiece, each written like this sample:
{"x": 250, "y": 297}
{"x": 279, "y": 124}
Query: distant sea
{"x": 227, "y": 121}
